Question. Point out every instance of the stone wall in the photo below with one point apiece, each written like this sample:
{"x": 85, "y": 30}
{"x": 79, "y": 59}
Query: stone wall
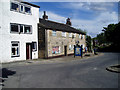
{"x": 61, "y": 41}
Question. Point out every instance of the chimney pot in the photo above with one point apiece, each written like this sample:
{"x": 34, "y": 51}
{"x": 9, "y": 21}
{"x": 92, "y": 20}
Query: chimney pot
{"x": 68, "y": 22}
{"x": 45, "y": 16}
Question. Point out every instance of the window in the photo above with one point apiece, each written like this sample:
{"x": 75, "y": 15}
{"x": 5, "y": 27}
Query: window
{"x": 53, "y": 33}
{"x": 15, "y": 49}
{"x": 27, "y": 29}
{"x": 64, "y": 34}
{"x": 70, "y": 34}
{"x": 14, "y": 6}
{"x": 83, "y": 36}
{"x": 74, "y": 34}
{"x": 34, "y": 46}
{"x": 14, "y": 28}
{"x": 71, "y": 47}
{"x": 79, "y": 35}
{"x": 55, "y": 50}
{"x": 27, "y": 9}
{"x": 19, "y": 7}
{"x": 20, "y": 28}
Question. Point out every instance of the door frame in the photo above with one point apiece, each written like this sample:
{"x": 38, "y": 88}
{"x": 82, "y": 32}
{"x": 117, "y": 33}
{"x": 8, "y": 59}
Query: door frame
{"x": 29, "y": 44}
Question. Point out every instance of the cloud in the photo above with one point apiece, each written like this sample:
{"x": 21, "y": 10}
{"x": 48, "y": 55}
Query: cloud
{"x": 91, "y": 6}
{"x": 70, "y": 0}
{"x": 54, "y": 17}
{"x": 93, "y": 27}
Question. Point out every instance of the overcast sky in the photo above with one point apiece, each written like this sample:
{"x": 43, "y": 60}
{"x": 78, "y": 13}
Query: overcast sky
{"x": 89, "y": 16}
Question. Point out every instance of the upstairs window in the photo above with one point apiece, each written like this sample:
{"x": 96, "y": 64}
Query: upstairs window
{"x": 70, "y": 34}
{"x": 14, "y": 6}
{"x": 74, "y": 34}
{"x": 64, "y": 34}
{"x": 79, "y": 35}
{"x": 53, "y": 33}
{"x": 27, "y": 29}
{"x": 20, "y": 28}
{"x": 20, "y": 7}
{"x": 15, "y": 49}
{"x": 82, "y": 36}
{"x": 14, "y": 28}
{"x": 28, "y": 10}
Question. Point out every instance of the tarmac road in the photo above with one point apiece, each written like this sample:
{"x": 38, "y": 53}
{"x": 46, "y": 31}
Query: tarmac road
{"x": 85, "y": 73}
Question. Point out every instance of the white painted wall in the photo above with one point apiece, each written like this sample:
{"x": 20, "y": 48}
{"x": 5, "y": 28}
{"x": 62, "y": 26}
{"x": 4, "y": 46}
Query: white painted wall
{"x": 6, "y": 37}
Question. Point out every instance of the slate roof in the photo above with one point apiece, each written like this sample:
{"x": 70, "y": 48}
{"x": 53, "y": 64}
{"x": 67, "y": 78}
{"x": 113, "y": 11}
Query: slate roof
{"x": 58, "y": 26}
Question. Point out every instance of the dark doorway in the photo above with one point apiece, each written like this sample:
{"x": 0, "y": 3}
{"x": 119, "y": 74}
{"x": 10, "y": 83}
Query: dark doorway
{"x": 65, "y": 50}
{"x": 28, "y": 50}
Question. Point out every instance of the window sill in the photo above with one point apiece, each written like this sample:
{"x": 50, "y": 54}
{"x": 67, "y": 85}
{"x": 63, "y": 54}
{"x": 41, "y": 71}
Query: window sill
{"x": 34, "y": 50}
{"x": 15, "y": 56}
{"x": 21, "y": 12}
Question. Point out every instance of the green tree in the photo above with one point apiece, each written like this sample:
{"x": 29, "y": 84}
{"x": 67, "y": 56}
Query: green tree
{"x": 88, "y": 42}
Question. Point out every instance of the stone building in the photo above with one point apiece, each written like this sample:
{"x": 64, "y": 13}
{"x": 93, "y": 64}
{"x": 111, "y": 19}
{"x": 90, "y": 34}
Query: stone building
{"x": 57, "y": 39}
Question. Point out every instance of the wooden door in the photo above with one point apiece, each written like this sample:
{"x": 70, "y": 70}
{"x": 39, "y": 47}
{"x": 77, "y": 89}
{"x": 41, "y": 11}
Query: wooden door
{"x": 28, "y": 51}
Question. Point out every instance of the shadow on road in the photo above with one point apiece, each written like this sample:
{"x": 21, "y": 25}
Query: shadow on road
{"x": 4, "y": 73}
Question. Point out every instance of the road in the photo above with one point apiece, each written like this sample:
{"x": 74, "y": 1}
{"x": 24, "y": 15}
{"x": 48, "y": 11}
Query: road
{"x": 85, "y": 73}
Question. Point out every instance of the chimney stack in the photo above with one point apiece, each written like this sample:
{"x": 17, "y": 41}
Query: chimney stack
{"x": 68, "y": 22}
{"x": 45, "y": 16}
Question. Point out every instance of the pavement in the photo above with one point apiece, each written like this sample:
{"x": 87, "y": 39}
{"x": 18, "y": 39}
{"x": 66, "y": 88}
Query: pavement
{"x": 114, "y": 68}
{"x": 53, "y": 60}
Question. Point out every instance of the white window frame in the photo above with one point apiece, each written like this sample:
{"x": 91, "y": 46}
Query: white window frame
{"x": 70, "y": 34}
{"x": 64, "y": 34}
{"x": 16, "y": 47}
{"x": 23, "y": 8}
{"x": 54, "y": 33}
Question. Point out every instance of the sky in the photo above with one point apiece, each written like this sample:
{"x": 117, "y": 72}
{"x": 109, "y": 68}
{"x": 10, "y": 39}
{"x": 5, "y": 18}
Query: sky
{"x": 88, "y": 16}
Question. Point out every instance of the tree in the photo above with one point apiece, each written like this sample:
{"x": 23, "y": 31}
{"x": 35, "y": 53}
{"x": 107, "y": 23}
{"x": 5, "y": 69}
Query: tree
{"x": 88, "y": 42}
{"x": 111, "y": 36}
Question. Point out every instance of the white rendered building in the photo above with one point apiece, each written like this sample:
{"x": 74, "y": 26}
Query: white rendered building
{"x": 18, "y": 30}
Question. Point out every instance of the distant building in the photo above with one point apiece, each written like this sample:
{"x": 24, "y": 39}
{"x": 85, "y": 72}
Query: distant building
{"x": 18, "y": 30}
{"x": 57, "y": 39}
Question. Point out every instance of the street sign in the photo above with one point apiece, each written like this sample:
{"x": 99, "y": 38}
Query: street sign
{"x": 78, "y": 50}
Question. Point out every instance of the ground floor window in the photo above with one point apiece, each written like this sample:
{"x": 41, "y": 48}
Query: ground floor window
{"x": 15, "y": 49}
{"x": 34, "y": 46}
{"x": 71, "y": 47}
{"x": 55, "y": 50}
